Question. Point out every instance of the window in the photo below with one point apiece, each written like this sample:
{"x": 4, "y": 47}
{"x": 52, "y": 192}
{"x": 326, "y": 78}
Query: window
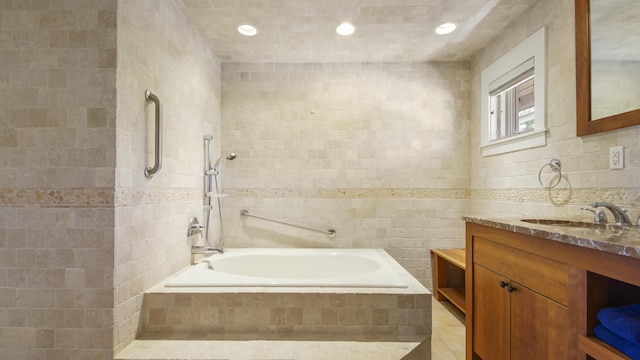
{"x": 513, "y": 94}
{"x": 512, "y": 106}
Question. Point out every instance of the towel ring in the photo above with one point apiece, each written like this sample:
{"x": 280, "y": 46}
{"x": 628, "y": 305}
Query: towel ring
{"x": 556, "y": 166}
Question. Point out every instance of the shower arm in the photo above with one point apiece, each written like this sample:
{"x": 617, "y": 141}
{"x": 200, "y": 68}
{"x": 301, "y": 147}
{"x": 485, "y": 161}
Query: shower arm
{"x": 329, "y": 233}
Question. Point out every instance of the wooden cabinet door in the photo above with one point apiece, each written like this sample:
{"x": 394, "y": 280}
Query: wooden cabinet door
{"x": 491, "y": 319}
{"x": 539, "y": 326}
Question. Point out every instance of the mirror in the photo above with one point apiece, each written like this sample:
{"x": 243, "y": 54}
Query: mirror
{"x": 607, "y": 34}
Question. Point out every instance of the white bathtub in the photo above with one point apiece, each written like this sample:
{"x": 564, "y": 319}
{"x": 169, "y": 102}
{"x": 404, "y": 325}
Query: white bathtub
{"x": 370, "y": 268}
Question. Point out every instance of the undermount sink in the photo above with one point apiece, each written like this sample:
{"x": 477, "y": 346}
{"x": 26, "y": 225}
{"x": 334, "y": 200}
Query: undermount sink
{"x": 555, "y": 222}
{"x": 574, "y": 224}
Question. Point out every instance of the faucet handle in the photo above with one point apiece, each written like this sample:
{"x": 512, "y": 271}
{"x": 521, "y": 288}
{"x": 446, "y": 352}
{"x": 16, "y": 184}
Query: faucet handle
{"x": 599, "y": 217}
{"x": 195, "y": 227}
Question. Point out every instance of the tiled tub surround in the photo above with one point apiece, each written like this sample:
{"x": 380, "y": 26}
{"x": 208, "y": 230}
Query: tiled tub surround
{"x": 304, "y": 313}
{"x": 620, "y": 240}
{"x": 404, "y": 222}
{"x": 268, "y": 314}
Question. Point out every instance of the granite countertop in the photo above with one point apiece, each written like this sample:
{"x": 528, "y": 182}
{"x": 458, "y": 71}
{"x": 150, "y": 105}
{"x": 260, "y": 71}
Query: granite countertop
{"x": 621, "y": 240}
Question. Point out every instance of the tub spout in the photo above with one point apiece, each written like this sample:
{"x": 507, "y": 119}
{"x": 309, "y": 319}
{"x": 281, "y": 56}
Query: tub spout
{"x": 203, "y": 250}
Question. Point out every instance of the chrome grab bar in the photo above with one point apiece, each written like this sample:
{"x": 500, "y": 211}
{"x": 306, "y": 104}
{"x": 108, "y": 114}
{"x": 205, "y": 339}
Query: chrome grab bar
{"x": 329, "y": 233}
{"x": 150, "y": 171}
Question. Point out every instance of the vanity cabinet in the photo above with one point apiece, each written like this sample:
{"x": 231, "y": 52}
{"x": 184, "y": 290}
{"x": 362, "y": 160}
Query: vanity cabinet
{"x": 514, "y": 322}
{"x": 530, "y": 297}
{"x": 519, "y": 304}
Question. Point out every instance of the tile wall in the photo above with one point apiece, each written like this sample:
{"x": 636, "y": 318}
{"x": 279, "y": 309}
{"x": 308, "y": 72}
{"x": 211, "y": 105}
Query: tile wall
{"x": 376, "y": 151}
{"x": 158, "y": 49}
{"x": 74, "y": 246}
{"x": 57, "y": 166}
{"x": 508, "y": 184}
{"x": 386, "y": 154}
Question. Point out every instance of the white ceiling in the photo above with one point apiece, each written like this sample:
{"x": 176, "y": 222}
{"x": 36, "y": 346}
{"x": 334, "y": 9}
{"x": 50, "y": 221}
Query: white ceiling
{"x": 387, "y": 30}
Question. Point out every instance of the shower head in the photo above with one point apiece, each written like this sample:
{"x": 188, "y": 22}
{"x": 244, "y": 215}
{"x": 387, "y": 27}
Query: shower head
{"x": 230, "y": 156}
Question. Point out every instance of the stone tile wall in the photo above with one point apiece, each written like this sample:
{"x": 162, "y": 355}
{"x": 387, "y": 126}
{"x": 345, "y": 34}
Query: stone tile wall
{"x": 378, "y": 152}
{"x": 159, "y": 50}
{"x": 57, "y": 168}
{"x": 387, "y": 154}
{"x": 507, "y": 184}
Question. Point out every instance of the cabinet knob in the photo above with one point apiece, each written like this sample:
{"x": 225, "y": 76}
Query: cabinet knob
{"x": 504, "y": 284}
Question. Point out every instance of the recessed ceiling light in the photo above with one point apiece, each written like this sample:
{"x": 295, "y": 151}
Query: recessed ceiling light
{"x": 446, "y": 28}
{"x": 247, "y": 30}
{"x": 345, "y": 29}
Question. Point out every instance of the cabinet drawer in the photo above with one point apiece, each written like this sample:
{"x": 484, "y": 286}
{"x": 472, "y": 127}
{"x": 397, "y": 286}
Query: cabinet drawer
{"x": 542, "y": 275}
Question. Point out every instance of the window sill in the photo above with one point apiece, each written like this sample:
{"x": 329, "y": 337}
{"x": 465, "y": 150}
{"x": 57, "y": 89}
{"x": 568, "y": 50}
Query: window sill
{"x": 515, "y": 143}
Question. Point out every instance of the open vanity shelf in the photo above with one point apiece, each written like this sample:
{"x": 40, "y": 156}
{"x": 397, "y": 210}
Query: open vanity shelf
{"x": 598, "y": 349}
{"x": 603, "y": 292}
{"x": 448, "y": 276}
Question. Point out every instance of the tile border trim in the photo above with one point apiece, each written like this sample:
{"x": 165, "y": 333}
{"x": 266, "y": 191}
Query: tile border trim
{"x": 106, "y": 197}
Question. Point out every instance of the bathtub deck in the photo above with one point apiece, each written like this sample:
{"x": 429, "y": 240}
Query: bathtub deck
{"x": 285, "y": 316}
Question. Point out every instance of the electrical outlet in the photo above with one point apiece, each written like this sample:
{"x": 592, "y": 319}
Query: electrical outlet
{"x": 616, "y": 158}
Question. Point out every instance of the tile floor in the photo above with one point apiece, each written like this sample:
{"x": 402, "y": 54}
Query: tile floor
{"x": 264, "y": 350}
{"x": 447, "y": 338}
{"x": 447, "y": 344}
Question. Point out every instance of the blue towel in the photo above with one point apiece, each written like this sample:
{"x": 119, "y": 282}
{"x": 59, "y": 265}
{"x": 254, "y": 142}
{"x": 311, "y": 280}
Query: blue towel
{"x": 628, "y": 348}
{"x": 623, "y": 321}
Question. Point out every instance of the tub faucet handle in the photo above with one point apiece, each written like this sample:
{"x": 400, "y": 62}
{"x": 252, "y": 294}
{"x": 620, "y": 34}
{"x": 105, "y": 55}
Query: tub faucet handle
{"x": 195, "y": 227}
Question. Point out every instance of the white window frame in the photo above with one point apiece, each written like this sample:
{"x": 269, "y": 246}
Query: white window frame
{"x": 503, "y": 70}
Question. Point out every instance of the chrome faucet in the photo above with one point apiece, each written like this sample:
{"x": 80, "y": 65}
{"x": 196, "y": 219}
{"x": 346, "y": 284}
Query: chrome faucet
{"x": 196, "y": 228}
{"x": 619, "y": 213}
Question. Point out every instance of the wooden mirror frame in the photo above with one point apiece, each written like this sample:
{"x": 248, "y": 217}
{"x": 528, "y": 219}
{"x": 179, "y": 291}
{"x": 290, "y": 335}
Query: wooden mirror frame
{"x": 583, "y": 82}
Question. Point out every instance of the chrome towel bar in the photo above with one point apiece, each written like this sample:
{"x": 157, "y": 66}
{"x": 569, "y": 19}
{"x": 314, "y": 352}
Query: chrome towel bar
{"x": 150, "y": 171}
{"x": 329, "y": 233}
